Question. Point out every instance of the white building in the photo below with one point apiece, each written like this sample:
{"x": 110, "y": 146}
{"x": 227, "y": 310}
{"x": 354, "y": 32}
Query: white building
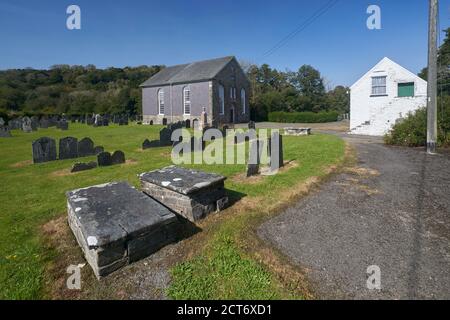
{"x": 383, "y": 96}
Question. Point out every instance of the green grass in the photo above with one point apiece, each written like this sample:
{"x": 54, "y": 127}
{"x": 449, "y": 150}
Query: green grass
{"x": 34, "y": 194}
{"x": 224, "y": 269}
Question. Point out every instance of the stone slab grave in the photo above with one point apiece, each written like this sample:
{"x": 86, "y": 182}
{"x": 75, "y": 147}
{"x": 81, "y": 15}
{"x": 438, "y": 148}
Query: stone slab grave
{"x": 115, "y": 225}
{"x": 192, "y": 194}
{"x": 297, "y": 131}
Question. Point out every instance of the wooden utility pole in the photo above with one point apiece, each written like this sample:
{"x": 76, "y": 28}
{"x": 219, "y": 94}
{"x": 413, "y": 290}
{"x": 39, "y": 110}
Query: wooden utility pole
{"x": 432, "y": 78}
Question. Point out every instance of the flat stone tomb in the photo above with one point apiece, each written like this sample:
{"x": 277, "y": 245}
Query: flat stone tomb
{"x": 297, "y": 131}
{"x": 115, "y": 224}
{"x": 192, "y": 194}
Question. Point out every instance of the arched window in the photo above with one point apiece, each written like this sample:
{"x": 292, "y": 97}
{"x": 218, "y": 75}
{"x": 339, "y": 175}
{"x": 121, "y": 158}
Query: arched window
{"x": 187, "y": 100}
{"x": 161, "y": 101}
{"x": 222, "y": 99}
{"x": 243, "y": 101}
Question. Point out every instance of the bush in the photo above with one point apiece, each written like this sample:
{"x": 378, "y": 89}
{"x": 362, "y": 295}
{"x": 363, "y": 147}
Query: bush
{"x": 412, "y": 131}
{"x": 303, "y": 117}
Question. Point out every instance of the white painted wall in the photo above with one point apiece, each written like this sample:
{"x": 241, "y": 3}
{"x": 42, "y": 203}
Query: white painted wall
{"x": 375, "y": 116}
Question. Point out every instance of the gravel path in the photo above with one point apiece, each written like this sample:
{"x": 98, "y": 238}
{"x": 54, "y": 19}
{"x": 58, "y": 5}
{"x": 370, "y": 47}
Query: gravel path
{"x": 394, "y": 212}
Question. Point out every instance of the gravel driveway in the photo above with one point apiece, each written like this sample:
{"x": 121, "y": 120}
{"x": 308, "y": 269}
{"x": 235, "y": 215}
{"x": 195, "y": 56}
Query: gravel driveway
{"x": 393, "y": 212}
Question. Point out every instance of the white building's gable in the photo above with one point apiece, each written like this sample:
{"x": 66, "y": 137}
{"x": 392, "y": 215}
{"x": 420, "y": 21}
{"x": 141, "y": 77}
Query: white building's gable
{"x": 383, "y": 96}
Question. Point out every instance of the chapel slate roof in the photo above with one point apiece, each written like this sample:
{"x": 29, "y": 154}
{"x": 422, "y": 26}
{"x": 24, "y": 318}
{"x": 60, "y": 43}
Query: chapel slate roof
{"x": 191, "y": 72}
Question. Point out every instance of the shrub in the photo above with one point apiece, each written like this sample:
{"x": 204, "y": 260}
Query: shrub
{"x": 303, "y": 117}
{"x": 412, "y": 131}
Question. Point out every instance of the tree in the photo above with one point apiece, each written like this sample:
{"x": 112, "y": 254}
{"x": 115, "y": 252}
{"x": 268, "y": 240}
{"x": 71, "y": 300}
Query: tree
{"x": 339, "y": 99}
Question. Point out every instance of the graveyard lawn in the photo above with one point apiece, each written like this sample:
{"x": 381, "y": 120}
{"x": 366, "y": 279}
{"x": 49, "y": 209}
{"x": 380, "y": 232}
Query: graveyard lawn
{"x": 225, "y": 260}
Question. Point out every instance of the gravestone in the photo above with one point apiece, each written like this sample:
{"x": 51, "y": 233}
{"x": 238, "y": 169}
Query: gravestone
{"x": 4, "y": 132}
{"x": 123, "y": 121}
{"x": 98, "y": 149}
{"x": 104, "y": 159}
{"x": 63, "y": 125}
{"x": 68, "y": 148}
{"x": 15, "y": 124}
{"x": 251, "y": 125}
{"x": 254, "y": 160}
{"x": 165, "y": 136}
{"x": 116, "y": 225}
{"x": 86, "y": 147}
{"x": 44, "y": 150}
{"x": 276, "y": 158}
{"x": 147, "y": 144}
{"x": 98, "y": 120}
{"x": 118, "y": 157}
{"x": 26, "y": 125}
{"x": 81, "y": 166}
{"x": 224, "y": 130}
{"x": 2, "y": 122}
{"x": 197, "y": 144}
{"x": 203, "y": 120}
{"x": 190, "y": 193}
{"x": 187, "y": 124}
{"x": 34, "y": 123}
{"x": 44, "y": 123}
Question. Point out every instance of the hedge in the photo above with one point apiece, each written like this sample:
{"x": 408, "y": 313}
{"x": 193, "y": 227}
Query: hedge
{"x": 303, "y": 117}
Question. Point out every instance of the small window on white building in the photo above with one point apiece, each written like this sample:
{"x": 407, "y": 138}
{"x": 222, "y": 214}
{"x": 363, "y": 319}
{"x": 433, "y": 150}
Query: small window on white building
{"x": 161, "y": 101}
{"x": 243, "y": 101}
{"x": 222, "y": 99}
{"x": 187, "y": 100}
{"x": 379, "y": 86}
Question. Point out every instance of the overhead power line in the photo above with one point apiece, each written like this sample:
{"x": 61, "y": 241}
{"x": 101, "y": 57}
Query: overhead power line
{"x": 301, "y": 27}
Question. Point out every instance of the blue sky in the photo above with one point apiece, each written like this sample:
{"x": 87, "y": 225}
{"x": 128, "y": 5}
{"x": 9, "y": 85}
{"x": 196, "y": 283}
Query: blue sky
{"x": 131, "y": 33}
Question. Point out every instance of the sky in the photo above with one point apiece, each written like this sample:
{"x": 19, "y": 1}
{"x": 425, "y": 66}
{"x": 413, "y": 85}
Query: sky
{"x": 131, "y": 33}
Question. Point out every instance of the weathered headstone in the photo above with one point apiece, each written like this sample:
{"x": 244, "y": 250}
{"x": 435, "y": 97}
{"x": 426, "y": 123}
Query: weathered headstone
{"x": 147, "y": 144}
{"x": 81, "y": 166}
{"x": 34, "y": 123}
{"x": 165, "y": 136}
{"x": 26, "y": 125}
{"x": 118, "y": 157}
{"x": 2, "y": 122}
{"x": 254, "y": 159}
{"x": 251, "y": 125}
{"x": 86, "y": 147}
{"x": 43, "y": 123}
{"x": 276, "y": 158}
{"x": 104, "y": 159}
{"x": 63, "y": 125}
{"x": 203, "y": 120}
{"x": 44, "y": 150}
{"x": 98, "y": 149}
{"x": 68, "y": 148}
{"x": 4, "y": 132}
{"x": 98, "y": 120}
{"x": 187, "y": 124}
